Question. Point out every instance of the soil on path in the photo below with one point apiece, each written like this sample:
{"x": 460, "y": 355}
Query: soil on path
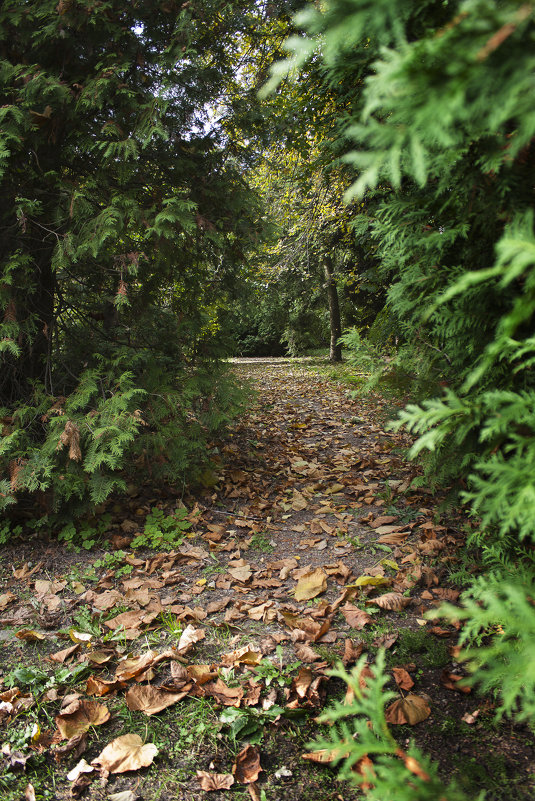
{"x": 307, "y": 546}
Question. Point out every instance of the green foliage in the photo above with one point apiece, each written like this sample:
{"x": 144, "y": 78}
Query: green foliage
{"x": 124, "y": 220}
{"x": 358, "y": 729}
{"x": 162, "y": 531}
{"x": 114, "y": 561}
{"x": 248, "y": 724}
{"x": 441, "y": 133}
{"x": 499, "y": 632}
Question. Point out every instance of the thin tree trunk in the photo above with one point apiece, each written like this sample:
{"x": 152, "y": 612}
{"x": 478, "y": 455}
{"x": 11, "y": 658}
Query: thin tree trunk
{"x": 335, "y": 350}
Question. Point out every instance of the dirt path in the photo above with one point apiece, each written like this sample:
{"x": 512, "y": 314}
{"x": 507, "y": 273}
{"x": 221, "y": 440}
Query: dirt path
{"x": 305, "y": 546}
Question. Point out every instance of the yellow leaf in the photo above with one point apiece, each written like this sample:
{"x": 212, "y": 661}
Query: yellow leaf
{"x": 370, "y": 581}
{"x": 312, "y": 583}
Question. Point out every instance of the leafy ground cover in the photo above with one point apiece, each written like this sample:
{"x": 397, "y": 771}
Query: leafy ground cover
{"x": 180, "y": 647}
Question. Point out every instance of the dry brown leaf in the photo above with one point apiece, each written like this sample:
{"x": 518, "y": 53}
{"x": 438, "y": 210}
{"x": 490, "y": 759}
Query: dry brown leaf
{"x": 298, "y": 502}
{"x": 253, "y": 791}
{"x": 26, "y": 570}
{"x": 247, "y": 768}
{"x": 79, "y": 716}
{"x": 150, "y": 700}
{"x": 127, "y": 752}
{"x": 100, "y": 687}
{"x": 446, "y": 594}
{"x": 189, "y": 637}
{"x": 227, "y": 696}
{"x": 29, "y": 793}
{"x": 324, "y": 756}
{"x": 356, "y": 617}
{"x": 201, "y": 674}
{"x": 352, "y": 652}
{"x": 6, "y": 598}
{"x": 30, "y": 635}
{"x": 412, "y": 710}
{"x": 402, "y": 678}
{"x": 301, "y": 682}
{"x": 439, "y": 632}
{"x": 451, "y": 682}
{"x": 107, "y": 600}
{"x": 394, "y": 538}
{"x": 413, "y": 765}
{"x": 241, "y": 573}
{"x": 81, "y": 767}
{"x": 312, "y": 583}
{"x": 305, "y": 653}
{"x": 431, "y": 547}
{"x": 393, "y": 601}
{"x": 61, "y": 656}
{"x": 470, "y": 717}
{"x": 383, "y": 520}
{"x": 214, "y": 781}
{"x": 243, "y": 656}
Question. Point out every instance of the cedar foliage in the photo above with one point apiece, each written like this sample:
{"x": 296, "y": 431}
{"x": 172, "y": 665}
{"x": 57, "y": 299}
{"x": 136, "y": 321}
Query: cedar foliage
{"x": 124, "y": 217}
{"x": 443, "y": 149}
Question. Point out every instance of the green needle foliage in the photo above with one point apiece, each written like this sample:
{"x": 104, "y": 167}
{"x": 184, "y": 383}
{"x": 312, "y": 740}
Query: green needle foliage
{"x": 359, "y": 731}
{"x": 440, "y": 133}
{"x": 124, "y": 219}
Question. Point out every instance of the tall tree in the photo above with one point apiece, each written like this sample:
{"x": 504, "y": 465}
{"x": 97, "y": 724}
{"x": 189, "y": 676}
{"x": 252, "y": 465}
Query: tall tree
{"x": 124, "y": 217}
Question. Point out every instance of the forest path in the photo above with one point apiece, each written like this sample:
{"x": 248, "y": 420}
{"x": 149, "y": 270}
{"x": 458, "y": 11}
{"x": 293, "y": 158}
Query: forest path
{"x": 306, "y": 546}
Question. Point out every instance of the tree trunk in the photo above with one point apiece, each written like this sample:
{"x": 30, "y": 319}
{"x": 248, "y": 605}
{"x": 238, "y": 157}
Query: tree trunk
{"x": 335, "y": 350}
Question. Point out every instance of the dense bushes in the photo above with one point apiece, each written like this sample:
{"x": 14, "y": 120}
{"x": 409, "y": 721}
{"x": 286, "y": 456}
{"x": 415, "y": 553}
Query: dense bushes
{"x": 444, "y": 152}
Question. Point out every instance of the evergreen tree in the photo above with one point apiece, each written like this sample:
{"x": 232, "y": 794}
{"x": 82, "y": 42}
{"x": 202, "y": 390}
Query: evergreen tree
{"x": 124, "y": 218}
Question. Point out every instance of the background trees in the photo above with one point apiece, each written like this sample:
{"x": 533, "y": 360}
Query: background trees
{"x": 125, "y": 217}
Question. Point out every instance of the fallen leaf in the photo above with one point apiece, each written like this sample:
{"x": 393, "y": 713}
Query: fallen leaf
{"x": 6, "y": 598}
{"x": 247, "y": 768}
{"x": 324, "y": 756}
{"x": 79, "y": 716}
{"x": 392, "y": 601}
{"x": 446, "y": 594}
{"x": 470, "y": 717}
{"x": 227, "y": 696}
{"x": 61, "y": 656}
{"x": 131, "y": 668}
{"x": 29, "y": 793}
{"x": 189, "y": 637}
{"x": 81, "y": 767}
{"x": 127, "y": 752}
{"x": 243, "y": 656}
{"x": 356, "y": 617}
{"x": 100, "y": 687}
{"x": 451, "y": 682}
{"x": 312, "y": 583}
{"x": 402, "y": 678}
{"x": 394, "y": 538}
{"x": 305, "y": 653}
{"x": 351, "y": 652}
{"x": 29, "y": 635}
{"x": 201, "y": 674}
{"x": 214, "y": 781}
{"x": 412, "y": 710}
{"x": 370, "y": 581}
{"x": 240, "y": 572}
{"x": 150, "y": 700}
{"x": 383, "y": 520}
{"x": 253, "y": 792}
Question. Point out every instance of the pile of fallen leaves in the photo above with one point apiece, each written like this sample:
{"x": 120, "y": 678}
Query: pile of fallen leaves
{"x": 305, "y": 535}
